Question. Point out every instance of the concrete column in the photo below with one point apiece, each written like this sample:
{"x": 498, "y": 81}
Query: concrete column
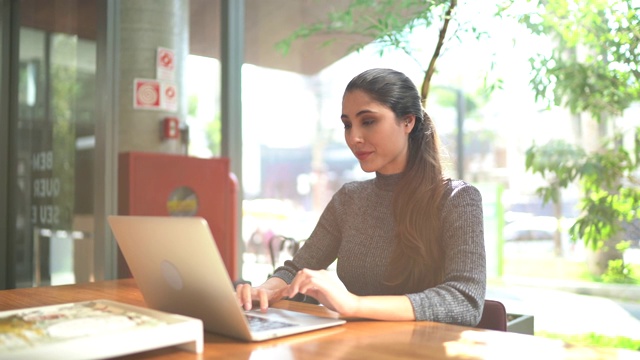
{"x": 144, "y": 26}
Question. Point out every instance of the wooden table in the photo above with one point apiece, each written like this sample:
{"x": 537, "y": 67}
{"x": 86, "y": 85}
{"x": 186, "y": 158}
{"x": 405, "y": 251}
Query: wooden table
{"x": 355, "y": 340}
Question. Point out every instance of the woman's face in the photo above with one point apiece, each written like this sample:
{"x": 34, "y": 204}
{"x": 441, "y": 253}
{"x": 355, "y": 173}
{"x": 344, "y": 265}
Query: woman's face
{"x": 373, "y": 133}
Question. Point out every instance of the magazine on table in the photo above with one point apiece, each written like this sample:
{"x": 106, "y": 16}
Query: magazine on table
{"x": 94, "y": 330}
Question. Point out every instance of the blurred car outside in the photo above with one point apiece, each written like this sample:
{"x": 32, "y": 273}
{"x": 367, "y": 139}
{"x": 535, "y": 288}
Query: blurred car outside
{"x": 534, "y": 236}
{"x": 535, "y": 228}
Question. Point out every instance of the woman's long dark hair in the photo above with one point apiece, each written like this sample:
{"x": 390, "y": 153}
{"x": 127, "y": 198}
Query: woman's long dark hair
{"x": 417, "y": 260}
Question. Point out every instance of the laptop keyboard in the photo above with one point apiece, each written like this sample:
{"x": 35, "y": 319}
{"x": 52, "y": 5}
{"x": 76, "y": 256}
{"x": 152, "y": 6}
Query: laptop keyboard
{"x": 257, "y": 323}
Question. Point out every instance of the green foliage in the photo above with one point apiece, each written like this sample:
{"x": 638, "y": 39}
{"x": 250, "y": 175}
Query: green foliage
{"x": 388, "y": 23}
{"x": 607, "y": 179}
{"x": 213, "y": 132}
{"x": 213, "y": 129}
{"x": 385, "y": 22}
{"x": 556, "y": 268}
{"x": 192, "y": 106}
{"x": 594, "y": 66}
{"x": 557, "y": 159}
{"x": 595, "y": 340}
{"x": 618, "y": 273}
{"x": 448, "y": 97}
{"x": 65, "y": 89}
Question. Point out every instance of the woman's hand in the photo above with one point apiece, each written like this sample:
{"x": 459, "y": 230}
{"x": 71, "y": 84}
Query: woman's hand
{"x": 270, "y": 291}
{"x": 322, "y": 286}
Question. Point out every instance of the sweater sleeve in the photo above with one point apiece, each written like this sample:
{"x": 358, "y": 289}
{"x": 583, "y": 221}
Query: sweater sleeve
{"x": 460, "y": 298}
{"x": 321, "y": 249}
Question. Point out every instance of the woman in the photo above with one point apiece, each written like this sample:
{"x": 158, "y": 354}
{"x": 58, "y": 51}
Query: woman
{"x": 409, "y": 242}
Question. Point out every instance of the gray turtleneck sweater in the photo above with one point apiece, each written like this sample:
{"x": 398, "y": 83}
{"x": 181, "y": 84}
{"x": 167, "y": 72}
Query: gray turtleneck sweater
{"x": 357, "y": 228}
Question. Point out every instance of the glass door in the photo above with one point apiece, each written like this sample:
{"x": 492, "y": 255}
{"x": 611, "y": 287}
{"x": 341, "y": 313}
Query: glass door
{"x": 52, "y": 142}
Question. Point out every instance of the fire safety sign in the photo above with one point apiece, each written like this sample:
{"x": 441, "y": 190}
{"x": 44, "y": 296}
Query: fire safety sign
{"x": 154, "y": 94}
{"x": 165, "y": 64}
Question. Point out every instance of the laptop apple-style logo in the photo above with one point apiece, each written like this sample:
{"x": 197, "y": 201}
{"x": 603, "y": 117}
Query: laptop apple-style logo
{"x": 171, "y": 274}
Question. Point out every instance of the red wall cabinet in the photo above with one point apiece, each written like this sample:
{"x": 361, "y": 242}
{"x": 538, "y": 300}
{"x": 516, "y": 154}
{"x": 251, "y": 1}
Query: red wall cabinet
{"x": 155, "y": 184}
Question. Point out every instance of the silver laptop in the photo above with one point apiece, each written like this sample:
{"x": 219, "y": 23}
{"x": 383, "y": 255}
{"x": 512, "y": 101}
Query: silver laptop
{"x": 178, "y": 268}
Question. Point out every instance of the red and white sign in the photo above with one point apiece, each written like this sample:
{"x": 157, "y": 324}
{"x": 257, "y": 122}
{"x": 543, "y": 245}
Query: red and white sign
{"x": 165, "y": 64}
{"x": 169, "y": 96}
{"x": 146, "y": 94}
{"x": 155, "y": 95}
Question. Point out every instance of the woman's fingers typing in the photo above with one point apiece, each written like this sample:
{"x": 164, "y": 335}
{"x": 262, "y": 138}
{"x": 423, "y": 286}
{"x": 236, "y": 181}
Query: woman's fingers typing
{"x": 244, "y": 296}
{"x": 322, "y": 286}
{"x": 318, "y": 284}
{"x": 263, "y": 295}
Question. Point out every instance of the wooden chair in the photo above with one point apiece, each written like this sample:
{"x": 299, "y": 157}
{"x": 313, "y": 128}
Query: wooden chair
{"x": 494, "y": 316}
